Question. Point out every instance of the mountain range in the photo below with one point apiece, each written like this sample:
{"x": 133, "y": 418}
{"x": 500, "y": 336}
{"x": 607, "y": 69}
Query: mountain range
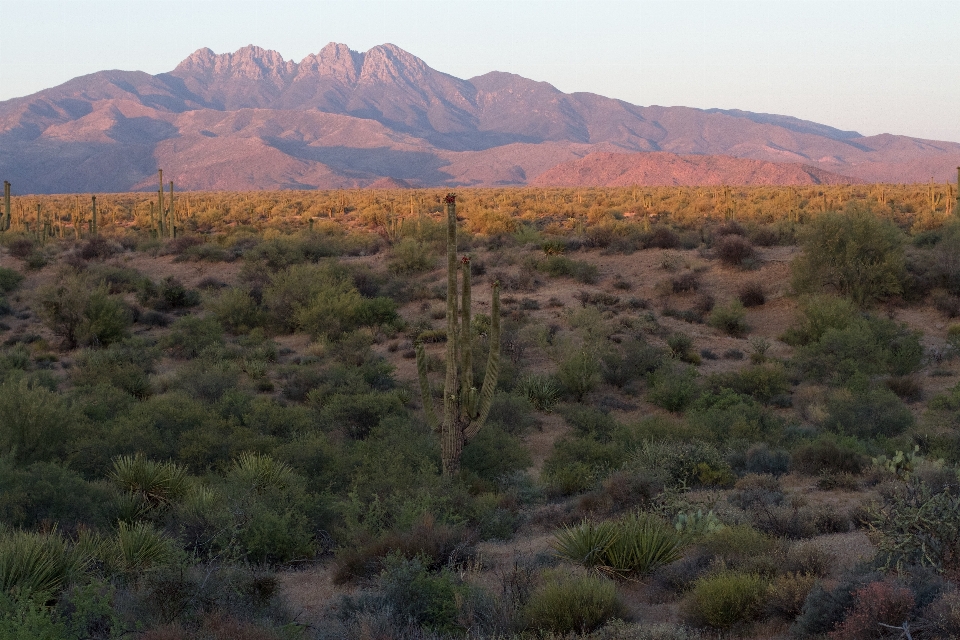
{"x": 345, "y": 119}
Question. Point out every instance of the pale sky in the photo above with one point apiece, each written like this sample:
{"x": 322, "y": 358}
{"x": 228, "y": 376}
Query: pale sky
{"x": 872, "y": 67}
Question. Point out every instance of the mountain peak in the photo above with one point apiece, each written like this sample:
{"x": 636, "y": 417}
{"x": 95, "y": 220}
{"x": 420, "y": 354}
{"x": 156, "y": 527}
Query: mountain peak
{"x": 251, "y": 62}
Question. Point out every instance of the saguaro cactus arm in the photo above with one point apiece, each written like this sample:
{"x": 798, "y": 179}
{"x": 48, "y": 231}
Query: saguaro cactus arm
{"x": 492, "y": 374}
{"x": 429, "y": 410}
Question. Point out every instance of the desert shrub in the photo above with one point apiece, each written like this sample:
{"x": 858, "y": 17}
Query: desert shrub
{"x": 412, "y": 256}
{"x": 578, "y": 464}
{"x": 908, "y": 388}
{"x": 494, "y": 454}
{"x": 579, "y": 270}
{"x": 169, "y": 294}
{"x": 21, "y": 247}
{"x": 726, "y": 599}
{"x": 787, "y": 593}
{"x": 428, "y": 599}
{"x": 689, "y": 463}
{"x": 674, "y": 389}
{"x": 662, "y": 237}
{"x": 942, "y": 616}
{"x": 867, "y": 346}
{"x": 756, "y": 492}
{"x": 38, "y": 424}
{"x": 356, "y": 415}
{"x": 727, "y": 414}
{"x": 82, "y": 313}
{"x": 191, "y": 334}
{"x": 630, "y": 361}
{"x": 10, "y": 279}
{"x": 565, "y": 604}
{"x": 739, "y": 546}
{"x": 579, "y": 373}
{"x": 47, "y": 492}
{"x": 855, "y": 254}
{"x": 816, "y": 315}
{"x": 760, "y": 458}
{"x": 237, "y": 311}
{"x": 681, "y": 347}
{"x": 827, "y": 455}
{"x": 761, "y": 382}
{"x": 870, "y": 413}
{"x": 827, "y": 604}
{"x": 734, "y": 250}
{"x": 752, "y": 295}
{"x": 588, "y": 422}
{"x": 730, "y": 318}
{"x": 513, "y": 413}
{"x": 687, "y": 282}
{"x": 877, "y": 603}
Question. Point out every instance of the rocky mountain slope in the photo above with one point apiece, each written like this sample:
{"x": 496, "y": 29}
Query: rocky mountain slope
{"x": 340, "y": 118}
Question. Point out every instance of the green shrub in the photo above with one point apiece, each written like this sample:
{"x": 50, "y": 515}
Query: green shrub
{"x": 856, "y": 254}
{"x": 579, "y": 373}
{"x": 412, "y": 256}
{"x": 730, "y": 318}
{"x": 45, "y": 492}
{"x": 37, "y": 424}
{"x": 427, "y": 599}
{"x": 237, "y": 311}
{"x": 761, "y": 382}
{"x": 689, "y": 463}
{"x": 726, "y": 599}
{"x": 870, "y": 413}
{"x": 578, "y": 604}
{"x": 10, "y": 279}
{"x": 674, "y": 388}
{"x": 727, "y": 414}
{"x": 494, "y": 454}
{"x": 577, "y": 464}
{"x": 631, "y": 360}
{"x": 513, "y": 413}
{"x": 562, "y": 266}
{"x": 190, "y": 335}
{"x": 169, "y": 294}
{"x": 125, "y": 365}
{"x": 82, "y": 313}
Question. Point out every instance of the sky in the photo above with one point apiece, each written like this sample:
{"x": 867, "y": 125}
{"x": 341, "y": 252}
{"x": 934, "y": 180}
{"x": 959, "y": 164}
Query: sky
{"x": 872, "y": 67}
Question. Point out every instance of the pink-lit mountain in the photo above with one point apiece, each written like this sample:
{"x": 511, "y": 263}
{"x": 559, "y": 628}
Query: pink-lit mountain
{"x": 340, "y": 118}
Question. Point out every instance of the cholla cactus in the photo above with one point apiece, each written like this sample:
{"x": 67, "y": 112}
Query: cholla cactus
{"x": 465, "y": 409}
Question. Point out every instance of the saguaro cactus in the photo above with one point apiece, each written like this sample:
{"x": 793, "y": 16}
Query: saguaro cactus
{"x": 5, "y": 221}
{"x": 465, "y": 409}
{"x": 172, "y": 226}
{"x": 93, "y": 216}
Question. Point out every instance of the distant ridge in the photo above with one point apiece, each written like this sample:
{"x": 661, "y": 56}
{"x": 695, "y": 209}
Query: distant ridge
{"x": 669, "y": 169}
{"x": 341, "y": 118}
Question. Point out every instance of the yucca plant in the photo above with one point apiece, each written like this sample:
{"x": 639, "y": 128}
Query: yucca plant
{"x": 260, "y": 471}
{"x": 140, "y": 546}
{"x": 632, "y": 546}
{"x": 37, "y": 563}
{"x": 643, "y": 543}
{"x": 541, "y": 390}
{"x": 158, "y": 482}
{"x": 586, "y": 543}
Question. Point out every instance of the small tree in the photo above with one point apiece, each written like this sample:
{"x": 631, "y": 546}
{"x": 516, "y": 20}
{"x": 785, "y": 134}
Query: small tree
{"x": 464, "y": 408}
{"x": 855, "y": 253}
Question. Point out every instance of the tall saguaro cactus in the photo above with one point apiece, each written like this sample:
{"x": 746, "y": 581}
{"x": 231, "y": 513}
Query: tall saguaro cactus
{"x": 465, "y": 409}
{"x": 5, "y": 221}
